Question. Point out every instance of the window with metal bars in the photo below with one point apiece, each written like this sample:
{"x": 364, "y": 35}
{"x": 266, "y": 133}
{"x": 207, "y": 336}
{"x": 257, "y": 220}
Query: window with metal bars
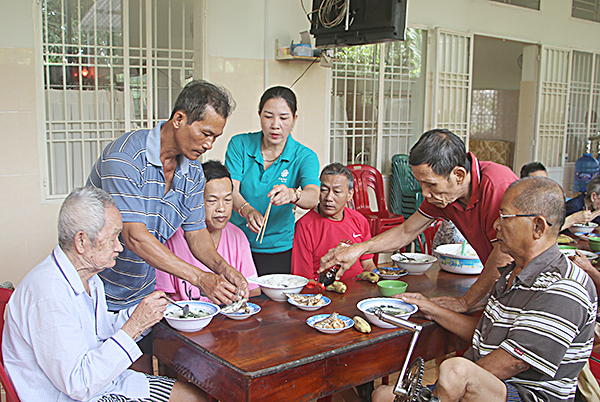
{"x": 584, "y": 104}
{"x": 586, "y": 9}
{"x": 376, "y": 110}
{"x": 110, "y": 66}
{"x": 533, "y": 4}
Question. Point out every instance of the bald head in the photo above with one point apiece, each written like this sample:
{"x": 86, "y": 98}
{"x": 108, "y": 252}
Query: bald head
{"x": 540, "y": 196}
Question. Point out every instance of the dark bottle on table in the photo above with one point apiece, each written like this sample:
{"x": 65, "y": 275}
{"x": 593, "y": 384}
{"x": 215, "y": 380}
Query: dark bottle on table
{"x": 328, "y": 277}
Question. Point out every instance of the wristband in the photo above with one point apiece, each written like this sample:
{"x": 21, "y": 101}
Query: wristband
{"x": 242, "y": 207}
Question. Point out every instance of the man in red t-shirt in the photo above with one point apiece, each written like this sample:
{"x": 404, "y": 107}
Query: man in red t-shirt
{"x": 323, "y": 228}
{"x": 458, "y": 187}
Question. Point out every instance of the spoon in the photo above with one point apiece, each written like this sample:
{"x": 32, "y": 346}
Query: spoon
{"x": 407, "y": 257}
{"x": 186, "y": 308}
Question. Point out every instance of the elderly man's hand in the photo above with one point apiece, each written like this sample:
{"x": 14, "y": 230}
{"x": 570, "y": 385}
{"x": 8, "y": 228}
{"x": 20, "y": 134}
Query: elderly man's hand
{"x": 234, "y": 276}
{"x": 457, "y": 304}
{"x": 345, "y": 257}
{"x": 427, "y": 308}
{"x": 150, "y": 311}
{"x": 217, "y": 288}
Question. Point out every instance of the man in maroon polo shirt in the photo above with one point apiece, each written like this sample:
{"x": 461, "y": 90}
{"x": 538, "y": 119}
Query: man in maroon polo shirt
{"x": 458, "y": 187}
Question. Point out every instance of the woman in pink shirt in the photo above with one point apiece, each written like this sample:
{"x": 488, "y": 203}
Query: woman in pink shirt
{"x": 230, "y": 241}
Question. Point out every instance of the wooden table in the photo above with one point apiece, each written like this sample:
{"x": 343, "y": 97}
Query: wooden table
{"x": 276, "y": 356}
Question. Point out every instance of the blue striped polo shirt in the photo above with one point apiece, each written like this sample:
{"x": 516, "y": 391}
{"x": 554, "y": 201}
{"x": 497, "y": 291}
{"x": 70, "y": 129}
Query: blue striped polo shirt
{"x": 130, "y": 170}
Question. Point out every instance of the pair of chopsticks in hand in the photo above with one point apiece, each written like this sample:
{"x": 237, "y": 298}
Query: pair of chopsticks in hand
{"x": 261, "y": 232}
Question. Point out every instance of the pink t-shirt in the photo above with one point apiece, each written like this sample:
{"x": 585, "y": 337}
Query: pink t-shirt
{"x": 233, "y": 247}
{"x": 316, "y": 235}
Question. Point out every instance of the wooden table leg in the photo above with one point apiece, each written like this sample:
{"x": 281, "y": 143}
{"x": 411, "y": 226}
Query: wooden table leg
{"x": 325, "y": 399}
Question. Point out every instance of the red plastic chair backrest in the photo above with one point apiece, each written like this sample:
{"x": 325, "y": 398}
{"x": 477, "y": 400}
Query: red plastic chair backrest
{"x": 366, "y": 177}
{"x": 11, "y": 395}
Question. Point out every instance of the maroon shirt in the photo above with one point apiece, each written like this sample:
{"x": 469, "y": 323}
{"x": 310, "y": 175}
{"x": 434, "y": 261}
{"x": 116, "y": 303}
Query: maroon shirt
{"x": 489, "y": 180}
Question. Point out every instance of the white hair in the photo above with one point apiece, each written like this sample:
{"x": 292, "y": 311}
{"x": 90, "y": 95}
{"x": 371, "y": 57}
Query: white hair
{"x": 82, "y": 210}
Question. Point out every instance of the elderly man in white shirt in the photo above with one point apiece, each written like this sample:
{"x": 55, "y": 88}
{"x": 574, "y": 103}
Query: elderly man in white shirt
{"x": 60, "y": 343}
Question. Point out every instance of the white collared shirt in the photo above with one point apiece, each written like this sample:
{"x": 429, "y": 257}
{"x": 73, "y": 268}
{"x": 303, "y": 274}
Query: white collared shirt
{"x": 62, "y": 344}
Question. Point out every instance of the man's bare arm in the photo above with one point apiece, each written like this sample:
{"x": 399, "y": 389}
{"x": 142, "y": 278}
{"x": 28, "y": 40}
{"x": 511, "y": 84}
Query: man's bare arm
{"x": 138, "y": 240}
{"x": 388, "y": 241}
{"x": 482, "y": 286}
{"x": 502, "y": 364}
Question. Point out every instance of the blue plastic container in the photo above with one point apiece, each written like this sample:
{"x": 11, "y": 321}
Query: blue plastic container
{"x": 586, "y": 167}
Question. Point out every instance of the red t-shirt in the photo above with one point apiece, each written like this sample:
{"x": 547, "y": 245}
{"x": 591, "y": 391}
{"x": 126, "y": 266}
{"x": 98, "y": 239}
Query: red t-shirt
{"x": 488, "y": 182}
{"x": 315, "y": 235}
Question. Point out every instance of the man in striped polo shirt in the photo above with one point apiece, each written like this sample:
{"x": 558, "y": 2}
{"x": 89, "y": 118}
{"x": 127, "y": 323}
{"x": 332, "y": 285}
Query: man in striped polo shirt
{"x": 158, "y": 185}
{"x": 536, "y": 332}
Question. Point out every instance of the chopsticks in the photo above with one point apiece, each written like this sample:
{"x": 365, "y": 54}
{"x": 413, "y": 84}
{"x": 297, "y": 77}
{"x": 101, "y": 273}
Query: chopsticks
{"x": 261, "y": 232}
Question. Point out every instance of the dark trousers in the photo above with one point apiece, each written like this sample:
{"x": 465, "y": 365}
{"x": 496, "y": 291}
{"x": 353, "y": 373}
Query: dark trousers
{"x": 277, "y": 263}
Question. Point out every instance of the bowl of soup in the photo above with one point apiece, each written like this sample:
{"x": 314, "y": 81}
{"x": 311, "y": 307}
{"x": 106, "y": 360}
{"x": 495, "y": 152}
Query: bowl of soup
{"x": 200, "y": 315}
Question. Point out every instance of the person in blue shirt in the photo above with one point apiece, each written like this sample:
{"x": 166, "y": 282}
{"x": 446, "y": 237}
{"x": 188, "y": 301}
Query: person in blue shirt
{"x": 270, "y": 166}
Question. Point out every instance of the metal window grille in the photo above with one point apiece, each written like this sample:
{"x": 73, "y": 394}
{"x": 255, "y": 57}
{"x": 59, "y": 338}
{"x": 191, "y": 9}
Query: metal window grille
{"x": 586, "y": 9}
{"x": 533, "y": 4}
{"x": 371, "y": 101}
{"x": 453, "y": 82}
{"x": 552, "y": 106}
{"x": 98, "y": 65}
{"x": 583, "y": 103}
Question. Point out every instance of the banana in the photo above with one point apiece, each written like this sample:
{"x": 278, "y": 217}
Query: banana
{"x": 339, "y": 287}
{"x": 369, "y": 276}
{"x": 361, "y": 325}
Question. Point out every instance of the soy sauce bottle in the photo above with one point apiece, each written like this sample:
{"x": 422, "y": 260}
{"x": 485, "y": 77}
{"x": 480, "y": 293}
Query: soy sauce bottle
{"x": 328, "y": 277}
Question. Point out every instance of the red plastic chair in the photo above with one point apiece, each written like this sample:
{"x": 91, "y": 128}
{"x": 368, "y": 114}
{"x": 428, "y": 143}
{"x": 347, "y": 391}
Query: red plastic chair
{"x": 429, "y": 235}
{"x": 381, "y": 219}
{"x": 11, "y": 394}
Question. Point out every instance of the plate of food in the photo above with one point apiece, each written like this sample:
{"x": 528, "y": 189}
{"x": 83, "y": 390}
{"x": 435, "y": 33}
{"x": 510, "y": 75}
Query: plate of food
{"x": 588, "y": 254}
{"x": 308, "y": 302}
{"x": 586, "y": 235}
{"x": 390, "y": 272}
{"x": 244, "y": 311}
{"x": 330, "y": 323}
{"x": 564, "y": 239}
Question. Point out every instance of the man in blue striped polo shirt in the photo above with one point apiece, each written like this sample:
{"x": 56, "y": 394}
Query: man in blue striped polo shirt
{"x": 158, "y": 185}
{"x": 536, "y": 332}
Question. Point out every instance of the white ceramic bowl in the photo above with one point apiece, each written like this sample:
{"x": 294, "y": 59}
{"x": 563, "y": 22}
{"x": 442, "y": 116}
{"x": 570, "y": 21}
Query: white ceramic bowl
{"x": 326, "y": 299}
{"x": 422, "y": 264}
{"x": 311, "y": 321}
{"x": 571, "y": 252}
{"x": 275, "y": 285}
{"x": 400, "y": 272}
{"x": 586, "y": 228}
{"x": 191, "y": 324}
{"x": 254, "y": 308}
{"x": 452, "y": 261}
{"x": 367, "y": 304}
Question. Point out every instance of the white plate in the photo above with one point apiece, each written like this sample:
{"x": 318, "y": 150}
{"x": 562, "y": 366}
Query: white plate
{"x": 588, "y": 254}
{"x": 401, "y": 272}
{"x": 326, "y": 299}
{"x": 311, "y": 321}
{"x": 254, "y": 308}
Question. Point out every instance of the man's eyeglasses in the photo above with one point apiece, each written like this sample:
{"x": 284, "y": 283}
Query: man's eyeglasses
{"x": 502, "y": 216}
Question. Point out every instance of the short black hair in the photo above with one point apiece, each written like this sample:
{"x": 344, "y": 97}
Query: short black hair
{"x": 214, "y": 169}
{"x": 441, "y": 150}
{"x": 284, "y": 93}
{"x": 593, "y": 187}
{"x": 197, "y": 95}
{"x": 530, "y": 168}
{"x": 336, "y": 169}
{"x": 541, "y": 196}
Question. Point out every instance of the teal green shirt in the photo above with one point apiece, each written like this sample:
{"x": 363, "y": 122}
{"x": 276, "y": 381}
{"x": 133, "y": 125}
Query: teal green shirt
{"x": 297, "y": 166}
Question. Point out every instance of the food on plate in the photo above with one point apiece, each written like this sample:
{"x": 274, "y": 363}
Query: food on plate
{"x": 391, "y": 310}
{"x": 337, "y": 286}
{"x": 307, "y": 300}
{"x": 190, "y": 314}
{"x": 564, "y": 239}
{"x": 239, "y": 307}
{"x": 361, "y": 325}
{"x": 368, "y": 276}
{"x": 391, "y": 271}
{"x": 331, "y": 322}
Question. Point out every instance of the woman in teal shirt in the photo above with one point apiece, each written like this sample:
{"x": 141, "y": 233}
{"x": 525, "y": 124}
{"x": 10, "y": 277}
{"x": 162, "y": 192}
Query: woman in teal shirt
{"x": 270, "y": 166}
